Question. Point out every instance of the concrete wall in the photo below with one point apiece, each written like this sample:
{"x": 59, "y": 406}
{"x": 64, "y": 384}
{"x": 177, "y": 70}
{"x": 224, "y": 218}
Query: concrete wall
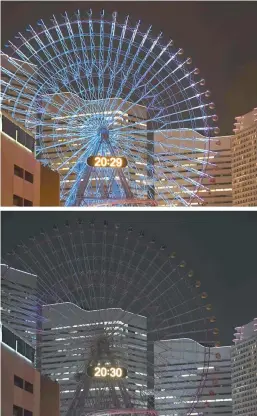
{"x": 13, "y": 364}
{"x": 50, "y": 397}
{"x": 44, "y": 401}
{"x": 13, "y": 153}
{"x": 49, "y": 187}
{"x": 45, "y": 189}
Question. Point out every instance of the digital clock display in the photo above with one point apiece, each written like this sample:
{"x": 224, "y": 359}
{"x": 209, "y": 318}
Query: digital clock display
{"x": 107, "y": 162}
{"x": 106, "y": 372}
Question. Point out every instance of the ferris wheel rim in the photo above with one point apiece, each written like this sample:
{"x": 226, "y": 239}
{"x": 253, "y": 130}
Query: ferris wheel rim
{"x": 173, "y": 175}
{"x": 104, "y": 229}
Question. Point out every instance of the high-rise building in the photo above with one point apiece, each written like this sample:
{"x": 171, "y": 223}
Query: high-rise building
{"x": 244, "y": 370}
{"x": 67, "y": 337}
{"x": 244, "y": 160}
{"x": 219, "y": 184}
{"x": 191, "y": 376}
{"x": 19, "y": 311}
{"x": 24, "y": 391}
{"x": 218, "y": 188}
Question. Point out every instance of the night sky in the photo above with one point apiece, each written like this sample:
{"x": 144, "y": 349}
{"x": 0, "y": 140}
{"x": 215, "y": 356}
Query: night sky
{"x": 219, "y": 246}
{"x": 221, "y": 37}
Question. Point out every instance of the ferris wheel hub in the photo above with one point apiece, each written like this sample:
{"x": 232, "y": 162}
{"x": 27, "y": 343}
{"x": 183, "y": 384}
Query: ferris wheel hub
{"x": 104, "y": 133}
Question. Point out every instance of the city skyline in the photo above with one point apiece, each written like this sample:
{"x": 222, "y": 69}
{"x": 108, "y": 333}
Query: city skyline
{"x": 203, "y": 250}
{"x": 132, "y": 291}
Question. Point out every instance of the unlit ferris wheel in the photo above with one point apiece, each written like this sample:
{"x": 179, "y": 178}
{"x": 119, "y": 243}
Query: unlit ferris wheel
{"x": 115, "y": 310}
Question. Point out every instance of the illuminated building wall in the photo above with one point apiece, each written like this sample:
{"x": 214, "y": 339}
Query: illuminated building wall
{"x": 179, "y": 370}
{"x": 24, "y": 180}
{"x": 244, "y": 370}
{"x": 244, "y": 160}
{"x": 219, "y": 189}
{"x": 20, "y": 174}
{"x": 68, "y": 328}
{"x": 220, "y": 183}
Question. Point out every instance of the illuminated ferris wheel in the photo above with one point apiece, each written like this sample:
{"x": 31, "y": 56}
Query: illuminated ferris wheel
{"x": 118, "y": 320}
{"x": 122, "y": 116}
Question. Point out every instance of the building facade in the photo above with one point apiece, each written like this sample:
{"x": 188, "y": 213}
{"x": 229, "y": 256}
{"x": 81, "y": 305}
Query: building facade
{"x": 24, "y": 180}
{"x": 244, "y": 160}
{"x": 69, "y": 333}
{"x": 24, "y": 392}
{"x": 192, "y": 378}
{"x": 19, "y": 310}
{"x": 219, "y": 193}
{"x": 217, "y": 190}
{"x": 244, "y": 370}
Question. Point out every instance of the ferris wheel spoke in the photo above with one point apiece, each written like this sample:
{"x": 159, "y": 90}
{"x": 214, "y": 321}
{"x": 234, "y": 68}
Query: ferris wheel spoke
{"x": 77, "y": 76}
{"x": 109, "y": 255}
{"x": 88, "y": 69}
{"x": 111, "y": 38}
{"x": 156, "y": 286}
{"x": 168, "y": 123}
{"x": 35, "y": 262}
{"x": 79, "y": 271}
{"x": 49, "y": 263}
{"x": 74, "y": 155}
{"x": 170, "y": 327}
{"x": 163, "y": 50}
{"x": 179, "y": 315}
{"x": 128, "y": 139}
{"x": 130, "y": 68}
{"x": 88, "y": 266}
{"x": 114, "y": 68}
{"x": 136, "y": 268}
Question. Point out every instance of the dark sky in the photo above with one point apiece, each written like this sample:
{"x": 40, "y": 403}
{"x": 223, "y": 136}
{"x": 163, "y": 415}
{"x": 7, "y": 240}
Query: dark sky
{"x": 219, "y": 246}
{"x": 221, "y": 37}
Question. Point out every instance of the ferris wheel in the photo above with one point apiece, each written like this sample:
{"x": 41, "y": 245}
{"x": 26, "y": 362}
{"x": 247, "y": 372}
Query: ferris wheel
{"x": 122, "y": 116}
{"x": 116, "y": 318}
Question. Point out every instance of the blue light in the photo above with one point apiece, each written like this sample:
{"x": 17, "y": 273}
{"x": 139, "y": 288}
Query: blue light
{"x": 89, "y": 73}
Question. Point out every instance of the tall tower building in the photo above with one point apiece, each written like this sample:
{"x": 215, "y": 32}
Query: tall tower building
{"x": 219, "y": 169}
{"x": 218, "y": 187}
{"x": 189, "y": 375}
{"x": 69, "y": 332}
{"x": 19, "y": 310}
{"x": 244, "y": 160}
{"x": 244, "y": 370}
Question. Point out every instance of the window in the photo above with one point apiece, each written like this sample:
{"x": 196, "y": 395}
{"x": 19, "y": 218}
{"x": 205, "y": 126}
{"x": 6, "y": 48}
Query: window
{"x": 28, "y": 177}
{"x": 28, "y": 203}
{"x": 17, "y": 411}
{"x": 27, "y": 413}
{"x": 17, "y": 344}
{"x": 18, "y": 171}
{"x": 17, "y": 201}
{"x": 28, "y": 387}
{"x": 18, "y": 381}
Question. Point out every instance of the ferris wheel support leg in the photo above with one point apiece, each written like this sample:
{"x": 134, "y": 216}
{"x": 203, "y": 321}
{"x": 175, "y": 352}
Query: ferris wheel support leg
{"x": 88, "y": 171}
{"x": 150, "y": 162}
